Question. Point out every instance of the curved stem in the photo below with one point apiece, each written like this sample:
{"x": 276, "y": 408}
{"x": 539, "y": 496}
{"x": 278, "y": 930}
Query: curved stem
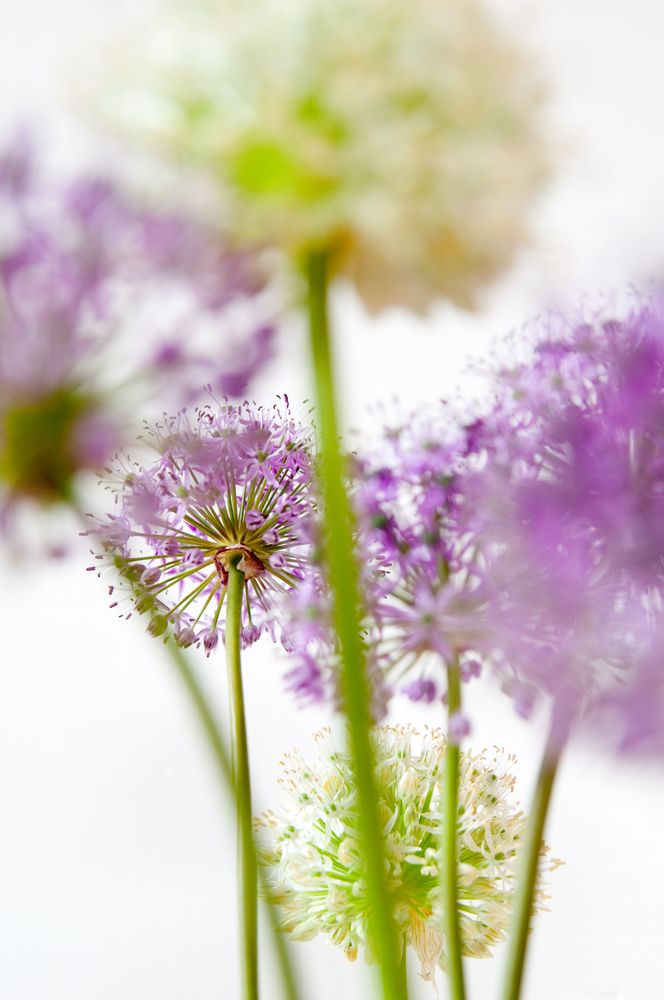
{"x": 247, "y": 877}
{"x": 449, "y": 844}
{"x": 212, "y": 732}
{"x": 204, "y": 713}
{"x": 527, "y": 883}
{"x": 344, "y": 584}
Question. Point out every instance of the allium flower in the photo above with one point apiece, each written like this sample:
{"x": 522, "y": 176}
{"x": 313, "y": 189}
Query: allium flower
{"x": 428, "y": 607}
{"x": 422, "y": 582}
{"x": 402, "y": 137}
{"x": 529, "y": 539}
{"x": 232, "y": 481}
{"x": 315, "y": 868}
{"x": 569, "y": 512}
{"x": 104, "y": 304}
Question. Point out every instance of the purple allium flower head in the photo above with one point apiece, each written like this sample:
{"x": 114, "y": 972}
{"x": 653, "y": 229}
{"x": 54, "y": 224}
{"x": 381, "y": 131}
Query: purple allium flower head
{"x": 427, "y": 607}
{"x": 422, "y": 587}
{"x": 530, "y": 538}
{"x": 193, "y": 510}
{"x": 569, "y": 514}
{"x": 104, "y": 305}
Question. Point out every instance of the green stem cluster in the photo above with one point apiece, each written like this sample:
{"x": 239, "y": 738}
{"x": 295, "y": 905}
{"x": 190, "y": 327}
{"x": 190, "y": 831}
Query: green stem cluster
{"x": 344, "y": 583}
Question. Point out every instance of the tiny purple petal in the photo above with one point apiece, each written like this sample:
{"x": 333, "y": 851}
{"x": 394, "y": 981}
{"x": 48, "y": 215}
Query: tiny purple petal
{"x": 421, "y": 689}
{"x": 210, "y": 641}
{"x": 459, "y": 727}
{"x": 185, "y": 637}
{"x": 150, "y": 576}
{"x": 254, "y": 519}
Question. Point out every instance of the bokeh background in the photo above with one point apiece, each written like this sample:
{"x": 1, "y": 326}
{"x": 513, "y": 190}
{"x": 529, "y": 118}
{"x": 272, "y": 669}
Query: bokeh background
{"x": 116, "y": 857}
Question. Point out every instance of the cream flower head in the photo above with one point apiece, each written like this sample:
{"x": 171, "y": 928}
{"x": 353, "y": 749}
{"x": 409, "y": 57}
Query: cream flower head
{"x": 401, "y": 137}
{"x": 315, "y": 869}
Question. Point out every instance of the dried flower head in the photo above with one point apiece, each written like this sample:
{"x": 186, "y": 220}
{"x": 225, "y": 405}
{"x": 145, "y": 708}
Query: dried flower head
{"x": 315, "y": 868}
{"x": 401, "y": 137}
{"x": 230, "y": 484}
{"x": 103, "y": 304}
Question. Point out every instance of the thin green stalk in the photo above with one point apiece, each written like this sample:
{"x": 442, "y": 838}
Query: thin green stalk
{"x": 247, "y": 876}
{"x": 403, "y": 973}
{"x": 344, "y": 583}
{"x": 527, "y": 882}
{"x": 449, "y": 844}
{"x": 212, "y": 732}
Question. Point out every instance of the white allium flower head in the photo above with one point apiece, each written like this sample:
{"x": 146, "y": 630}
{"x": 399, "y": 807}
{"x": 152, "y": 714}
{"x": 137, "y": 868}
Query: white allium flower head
{"x": 402, "y": 137}
{"x": 315, "y": 869}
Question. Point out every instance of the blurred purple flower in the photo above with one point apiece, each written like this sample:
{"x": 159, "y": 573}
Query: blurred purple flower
{"x": 459, "y": 728}
{"x": 530, "y": 539}
{"x": 107, "y": 306}
{"x": 629, "y": 717}
{"x": 568, "y": 511}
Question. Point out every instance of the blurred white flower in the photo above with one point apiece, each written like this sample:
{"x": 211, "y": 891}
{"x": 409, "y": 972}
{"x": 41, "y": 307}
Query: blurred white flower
{"x": 402, "y": 137}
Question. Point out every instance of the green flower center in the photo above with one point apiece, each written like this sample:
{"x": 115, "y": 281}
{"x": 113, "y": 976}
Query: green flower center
{"x": 37, "y": 450}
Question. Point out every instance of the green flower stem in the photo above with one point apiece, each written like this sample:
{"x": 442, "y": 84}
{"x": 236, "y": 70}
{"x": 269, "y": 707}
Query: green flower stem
{"x": 212, "y": 732}
{"x": 525, "y": 891}
{"x": 449, "y": 845}
{"x": 344, "y": 583}
{"x": 247, "y": 876}
{"x": 403, "y": 973}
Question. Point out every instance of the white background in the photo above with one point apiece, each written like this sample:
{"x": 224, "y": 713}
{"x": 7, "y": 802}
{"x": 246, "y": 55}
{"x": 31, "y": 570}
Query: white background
{"x": 116, "y": 868}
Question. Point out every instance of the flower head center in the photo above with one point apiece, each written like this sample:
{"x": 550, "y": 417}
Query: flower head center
{"x": 242, "y": 558}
